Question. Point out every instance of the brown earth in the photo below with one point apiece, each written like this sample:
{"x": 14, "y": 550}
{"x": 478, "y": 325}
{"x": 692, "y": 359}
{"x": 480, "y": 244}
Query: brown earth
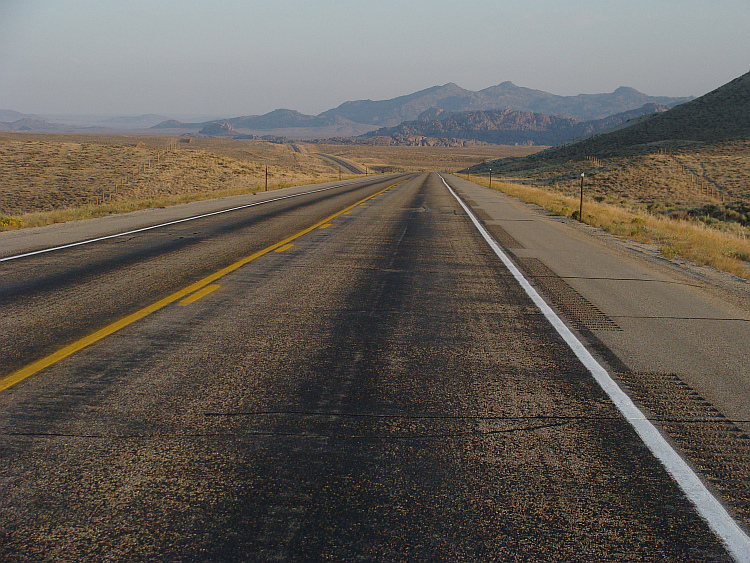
{"x": 43, "y": 176}
{"x": 45, "y": 172}
{"x": 693, "y": 176}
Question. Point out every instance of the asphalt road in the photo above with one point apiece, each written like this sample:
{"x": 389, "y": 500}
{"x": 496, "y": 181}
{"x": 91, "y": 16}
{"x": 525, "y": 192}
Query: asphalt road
{"x": 377, "y": 388}
{"x": 344, "y": 164}
{"x": 676, "y": 336}
{"x": 51, "y": 299}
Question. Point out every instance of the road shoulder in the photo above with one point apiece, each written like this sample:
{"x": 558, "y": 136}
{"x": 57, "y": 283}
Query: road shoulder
{"x": 674, "y": 334}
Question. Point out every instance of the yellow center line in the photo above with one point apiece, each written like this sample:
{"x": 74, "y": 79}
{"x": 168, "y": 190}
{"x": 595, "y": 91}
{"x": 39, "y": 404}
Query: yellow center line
{"x": 70, "y": 349}
{"x": 198, "y": 294}
{"x": 284, "y": 248}
{"x": 326, "y": 226}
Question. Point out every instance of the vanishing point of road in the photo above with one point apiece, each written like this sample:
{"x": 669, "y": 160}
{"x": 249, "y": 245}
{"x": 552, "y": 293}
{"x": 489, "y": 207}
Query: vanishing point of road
{"x": 344, "y": 374}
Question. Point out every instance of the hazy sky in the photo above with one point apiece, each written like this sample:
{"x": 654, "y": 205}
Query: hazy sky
{"x": 229, "y": 58}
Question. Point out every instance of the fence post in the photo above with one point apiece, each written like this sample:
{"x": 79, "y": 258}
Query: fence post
{"x": 580, "y": 207}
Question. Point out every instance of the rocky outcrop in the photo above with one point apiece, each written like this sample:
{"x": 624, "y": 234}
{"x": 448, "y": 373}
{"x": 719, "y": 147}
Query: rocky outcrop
{"x": 218, "y": 129}
{"x": 505, "y": 127}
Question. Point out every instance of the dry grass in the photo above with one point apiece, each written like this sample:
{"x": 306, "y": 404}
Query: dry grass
{"x": 692, "y": 240}
{"x": 53, "y": 178}
{"x": 693, "y": 175}
{"x": 50, "y": 178}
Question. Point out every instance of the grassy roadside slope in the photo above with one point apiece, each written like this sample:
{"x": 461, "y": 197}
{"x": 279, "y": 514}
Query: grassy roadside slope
{"x": 50, "y": 179}
{"x": 692, "y": 240}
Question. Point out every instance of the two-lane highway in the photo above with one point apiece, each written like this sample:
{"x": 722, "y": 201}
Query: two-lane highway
{"x": 373, "y": 385}
{"x": 54, "y": 296}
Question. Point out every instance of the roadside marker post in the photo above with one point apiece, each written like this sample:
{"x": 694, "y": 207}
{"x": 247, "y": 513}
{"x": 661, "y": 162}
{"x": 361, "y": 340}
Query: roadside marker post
{"x": 580, "y": 207}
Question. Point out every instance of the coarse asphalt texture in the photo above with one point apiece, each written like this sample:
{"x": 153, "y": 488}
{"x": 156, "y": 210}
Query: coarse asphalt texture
{"x": 380, "y": 390}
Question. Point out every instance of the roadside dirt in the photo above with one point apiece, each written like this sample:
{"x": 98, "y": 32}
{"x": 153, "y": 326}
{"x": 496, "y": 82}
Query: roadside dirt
{"x": 42, "y": 173}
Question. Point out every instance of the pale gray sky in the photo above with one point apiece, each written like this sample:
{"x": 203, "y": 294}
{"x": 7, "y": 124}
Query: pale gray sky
{"x": 227, "y": 58}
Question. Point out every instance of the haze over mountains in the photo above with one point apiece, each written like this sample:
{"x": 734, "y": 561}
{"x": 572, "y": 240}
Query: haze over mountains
{"x": 448, "y": 99}
{"x": 364, "y": 116}
{"x": 16, "y": 121}
{"x": 454, "y": 99}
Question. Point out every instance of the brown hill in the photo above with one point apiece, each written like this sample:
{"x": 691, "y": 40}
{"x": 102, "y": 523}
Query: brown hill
{"x": 500, "y": 126}
{"x": 31, "y": 124}
{"x": 692, "y": 160}
{"x": 720, "y": 115}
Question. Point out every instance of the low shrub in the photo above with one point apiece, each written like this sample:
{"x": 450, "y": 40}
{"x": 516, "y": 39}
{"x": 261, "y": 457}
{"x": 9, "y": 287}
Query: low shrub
{"x": 7, "y": 223}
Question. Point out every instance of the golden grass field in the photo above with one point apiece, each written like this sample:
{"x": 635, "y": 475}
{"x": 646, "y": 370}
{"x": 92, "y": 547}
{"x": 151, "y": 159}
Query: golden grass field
{"x": 677, "y": 198}
{"x": 53, "y": 178}
{"x": 691, "y": 176}
{"x": 695, "y": 241}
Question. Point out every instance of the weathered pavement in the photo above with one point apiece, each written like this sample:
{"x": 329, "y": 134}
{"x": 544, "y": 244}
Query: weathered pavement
{"x": 380, "y": 390}
{"x": 676, "y": 337}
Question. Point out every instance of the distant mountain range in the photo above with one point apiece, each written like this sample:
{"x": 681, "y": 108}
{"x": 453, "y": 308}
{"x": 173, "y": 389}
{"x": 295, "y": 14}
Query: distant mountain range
{"x": 363, "y": 116}
{"x": 31, "y": 124}
{"x": 7, "y": 115}
{"x": 454, "y": 99}
{"x": 16, "y": 121}
{"x": 504, "y": 126}
{"x": 277, "y": 119}
{"x": 447, "y": 99}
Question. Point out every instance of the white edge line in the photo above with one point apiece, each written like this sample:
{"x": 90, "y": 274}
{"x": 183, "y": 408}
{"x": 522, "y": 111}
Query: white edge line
{"x": 734, "y": 538}
{"x": 98, "y": 239}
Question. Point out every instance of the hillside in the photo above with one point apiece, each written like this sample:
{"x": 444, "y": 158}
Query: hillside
{"x": 691, "y": 161}
{"x": 454, "y": 99}
{"x": 45, "y": 173}
{"x": 505, "y": 127}
{"x": 720, "y": 115}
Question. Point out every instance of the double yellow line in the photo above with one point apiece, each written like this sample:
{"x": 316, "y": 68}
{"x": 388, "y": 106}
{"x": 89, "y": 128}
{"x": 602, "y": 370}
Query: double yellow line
{"x": 196, "y": 288}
